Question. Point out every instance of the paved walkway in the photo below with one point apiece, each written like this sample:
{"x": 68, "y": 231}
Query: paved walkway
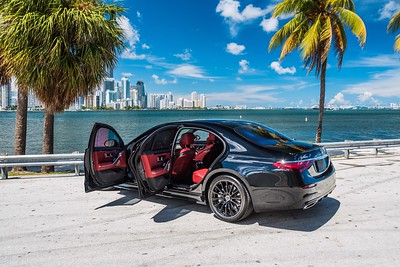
{"x": 50, "y": 221}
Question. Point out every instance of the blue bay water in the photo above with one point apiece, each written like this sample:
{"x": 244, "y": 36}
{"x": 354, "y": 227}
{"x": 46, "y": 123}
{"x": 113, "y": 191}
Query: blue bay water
{"x": 72, "y": 129}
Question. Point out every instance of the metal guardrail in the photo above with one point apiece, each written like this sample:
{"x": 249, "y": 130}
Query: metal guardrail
{"x": 76, "y": 159}
{"x": 73, "y": 159}
{"x": 349, "y": 145}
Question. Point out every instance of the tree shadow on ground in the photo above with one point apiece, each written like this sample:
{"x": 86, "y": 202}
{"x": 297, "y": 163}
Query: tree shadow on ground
{"x": 297, "y": 220}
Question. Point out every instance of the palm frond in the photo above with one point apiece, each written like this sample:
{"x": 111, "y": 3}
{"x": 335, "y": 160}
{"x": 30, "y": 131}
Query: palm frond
{"x": 61, "y": 48}
{"x": 355, "y": 24}
{"x": 347, "y": 4}
{"x": 397, "y": 43}
{"x": 394, "y": 23}
{"x": 283, "y": 33}
{"x": 340, "y": 39}
{"x": 311, "y": 39}
{"x": 285, "y": 7}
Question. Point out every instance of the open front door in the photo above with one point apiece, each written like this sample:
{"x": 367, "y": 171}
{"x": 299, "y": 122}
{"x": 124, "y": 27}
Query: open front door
{"x": 105, "y": 159}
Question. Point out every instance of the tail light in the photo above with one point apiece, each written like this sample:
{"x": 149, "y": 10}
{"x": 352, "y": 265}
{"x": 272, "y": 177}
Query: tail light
{"x": 297, "y": 166}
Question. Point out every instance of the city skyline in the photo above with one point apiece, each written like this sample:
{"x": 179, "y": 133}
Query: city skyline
{"x": 221, "y": 49}
{"x": 112, "y": 94}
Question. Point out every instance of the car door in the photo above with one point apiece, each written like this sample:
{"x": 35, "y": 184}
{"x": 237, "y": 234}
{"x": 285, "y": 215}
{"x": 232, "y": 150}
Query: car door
{"x": 152, "y": 161}
{"x": 105, "y": 160}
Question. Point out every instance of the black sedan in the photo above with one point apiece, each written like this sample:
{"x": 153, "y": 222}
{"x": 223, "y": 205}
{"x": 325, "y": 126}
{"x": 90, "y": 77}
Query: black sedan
{"x": 235, "y": 166}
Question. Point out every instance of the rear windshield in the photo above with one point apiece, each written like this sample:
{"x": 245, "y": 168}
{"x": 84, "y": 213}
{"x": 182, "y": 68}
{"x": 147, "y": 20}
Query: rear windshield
{"x": 261, "y": 135}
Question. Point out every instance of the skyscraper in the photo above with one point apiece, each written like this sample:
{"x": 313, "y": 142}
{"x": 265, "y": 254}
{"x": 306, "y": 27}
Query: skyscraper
{"x": 126, "y": 88}
{"x": 142, "y": 96}
{"x": 5, "y": 96}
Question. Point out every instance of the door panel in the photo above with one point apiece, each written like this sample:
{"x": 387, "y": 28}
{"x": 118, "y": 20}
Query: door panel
{"x": 105, "y": 158}
{"x": 108, "y": 160}
{"x": 154, "y": 165}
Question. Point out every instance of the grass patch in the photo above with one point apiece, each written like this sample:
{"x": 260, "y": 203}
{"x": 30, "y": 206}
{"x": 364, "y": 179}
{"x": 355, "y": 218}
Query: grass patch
{"x": 26, "y": 173}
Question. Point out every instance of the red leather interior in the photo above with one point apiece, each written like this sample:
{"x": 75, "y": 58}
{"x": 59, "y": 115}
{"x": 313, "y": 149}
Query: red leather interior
{"x": 153, "y": 164}
{"x": 183, "y": 163}
{"x": 187, "y": 140}
{"x": 210, "y": 152}
{"x": 108, "y": 160}
{"x": 198, "y": 175}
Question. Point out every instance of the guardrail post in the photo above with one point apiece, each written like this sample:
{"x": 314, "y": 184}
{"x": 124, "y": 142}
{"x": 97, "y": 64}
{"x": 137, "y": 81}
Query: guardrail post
{"x": 376, "y": 149}
{"x": 347, "y": 151}
{"x": 4, "y": 170}
{"x": 77, "y": 171}
{"x": 4, "y": 173}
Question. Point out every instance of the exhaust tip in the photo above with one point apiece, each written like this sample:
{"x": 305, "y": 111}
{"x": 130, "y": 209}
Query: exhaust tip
{"x": 310, "y": 204}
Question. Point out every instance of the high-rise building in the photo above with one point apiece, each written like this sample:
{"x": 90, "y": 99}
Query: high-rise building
{"x": 126, "y": 88}
{"x": 193, "y": 96}
{"x": 142, "y": 96}
{"x": 203, "y": 103}
{"x": 108, "y": 84}
{"x": 5, "y": 96}
{"x": 134, "y": 96}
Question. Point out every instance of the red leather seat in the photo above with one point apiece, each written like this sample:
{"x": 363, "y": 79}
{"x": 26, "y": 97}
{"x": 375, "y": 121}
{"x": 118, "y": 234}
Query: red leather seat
{"x": 182, "y": 168}
{"x": 207, "y": 155}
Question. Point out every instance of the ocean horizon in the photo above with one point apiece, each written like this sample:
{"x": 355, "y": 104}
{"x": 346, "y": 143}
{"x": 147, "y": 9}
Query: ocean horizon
{"x": 72, "y": 129}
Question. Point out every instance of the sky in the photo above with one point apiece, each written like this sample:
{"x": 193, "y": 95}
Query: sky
{"x": 220, "y": 48}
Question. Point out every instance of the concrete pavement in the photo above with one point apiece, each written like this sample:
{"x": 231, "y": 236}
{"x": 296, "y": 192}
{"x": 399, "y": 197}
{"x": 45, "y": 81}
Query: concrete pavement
{"x": 50, "y": 221}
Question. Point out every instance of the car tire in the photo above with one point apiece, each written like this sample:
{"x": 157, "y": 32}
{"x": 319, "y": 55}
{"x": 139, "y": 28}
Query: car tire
{"x": 229, "y": 199}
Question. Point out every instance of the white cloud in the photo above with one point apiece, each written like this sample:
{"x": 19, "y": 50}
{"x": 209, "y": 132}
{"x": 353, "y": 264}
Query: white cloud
{"x": 132, "y": 37}
{"x": 339, "y": 100}
{"x": 145, "y": 46}
{"x": 186, "y": 55}
{"x": 189, "y": 71}
{"x": 388, "y": 10}
{"x": 276, "y": 66}
{"x": 249, "y": 94}
{"x": 366, "y": 97}
{"x": 388, "y": 60}
{"x": 382, "y": 84}
{"x": 270, "y": 25}
{"x": 234, "y": 48}
{"x": 158, "y": 80}
{"x": 127, "y": 74}
{"x": 229, "y": 10}
{"x": 163, "y": 81}
{"x": 244, "y": 66}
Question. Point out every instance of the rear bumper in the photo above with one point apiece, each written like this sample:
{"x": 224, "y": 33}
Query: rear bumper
{"x": 285, "y": 198}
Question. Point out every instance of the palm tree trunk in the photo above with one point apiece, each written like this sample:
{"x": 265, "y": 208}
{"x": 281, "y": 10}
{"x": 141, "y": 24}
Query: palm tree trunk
{"x": 48, "y": 137}
{"x": 21, "y": 125}
{"x": 321, "y": 102}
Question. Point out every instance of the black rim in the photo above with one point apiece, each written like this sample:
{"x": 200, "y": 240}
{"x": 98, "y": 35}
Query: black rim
{"x": 226, "y": 198}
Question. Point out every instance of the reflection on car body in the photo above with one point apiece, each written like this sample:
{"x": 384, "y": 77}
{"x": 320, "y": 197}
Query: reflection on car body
{"x": 235, "y": 166}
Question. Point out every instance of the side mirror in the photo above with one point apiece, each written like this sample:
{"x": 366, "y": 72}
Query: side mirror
{"x": 111, "y": 143}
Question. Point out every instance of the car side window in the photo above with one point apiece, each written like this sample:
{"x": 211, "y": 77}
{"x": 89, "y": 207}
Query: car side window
{"x": 163, "y": 140}
{"x": 160, "y": 140}
{"x": 106, "y": 138}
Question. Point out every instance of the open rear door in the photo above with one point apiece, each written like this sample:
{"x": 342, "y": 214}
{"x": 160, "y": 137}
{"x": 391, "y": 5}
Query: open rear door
{"x": 105, "y": 159}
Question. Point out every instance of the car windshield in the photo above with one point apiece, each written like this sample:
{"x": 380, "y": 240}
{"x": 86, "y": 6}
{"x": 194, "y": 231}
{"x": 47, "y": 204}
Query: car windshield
{"x": 261, "y": 135}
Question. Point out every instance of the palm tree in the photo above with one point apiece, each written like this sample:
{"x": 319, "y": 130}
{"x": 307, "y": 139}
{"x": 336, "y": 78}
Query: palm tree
{"x": 22, "y": 100}
{"x": 61, "y": 49}
{"x": 394, "y": 25}
{"x": 315, "y": 26}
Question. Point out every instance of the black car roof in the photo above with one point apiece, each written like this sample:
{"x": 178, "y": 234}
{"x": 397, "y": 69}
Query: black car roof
{"x": 214, "y": 122}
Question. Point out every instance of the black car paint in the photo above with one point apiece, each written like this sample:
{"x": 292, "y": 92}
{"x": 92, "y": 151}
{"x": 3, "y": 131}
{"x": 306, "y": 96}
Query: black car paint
{"x": 269, "y": 188}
